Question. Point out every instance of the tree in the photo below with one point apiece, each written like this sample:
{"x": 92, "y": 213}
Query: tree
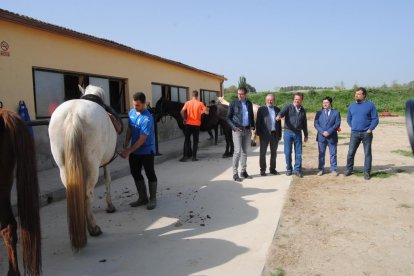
{"x": 243, "y": 83}
{"x": 230, "y": 90}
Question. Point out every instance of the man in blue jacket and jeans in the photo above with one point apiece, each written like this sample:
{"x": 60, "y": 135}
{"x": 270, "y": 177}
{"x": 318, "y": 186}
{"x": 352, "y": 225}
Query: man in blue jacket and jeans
{"x": 295, "y": 123}
{"x": 363, "y": 119}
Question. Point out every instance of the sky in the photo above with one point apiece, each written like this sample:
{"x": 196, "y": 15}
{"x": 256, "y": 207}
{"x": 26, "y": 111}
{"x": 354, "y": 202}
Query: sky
{"x": 273, "y": 43}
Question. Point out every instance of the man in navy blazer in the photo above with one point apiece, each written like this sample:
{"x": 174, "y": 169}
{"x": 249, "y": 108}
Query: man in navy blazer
{"x": 327, "y": 122}
{"x": 270, "y": 132}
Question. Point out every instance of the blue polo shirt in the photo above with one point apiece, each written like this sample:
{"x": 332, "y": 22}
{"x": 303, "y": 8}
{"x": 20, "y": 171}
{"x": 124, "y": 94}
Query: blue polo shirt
{"x": 140, "y": 124}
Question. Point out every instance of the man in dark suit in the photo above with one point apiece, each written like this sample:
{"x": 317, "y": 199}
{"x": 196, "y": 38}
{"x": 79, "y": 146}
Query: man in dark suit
{"x": 327, "y": 122}
{"x": 270, "y": 132}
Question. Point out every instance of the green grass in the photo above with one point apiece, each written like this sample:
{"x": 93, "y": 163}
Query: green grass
{"x": 384, "y": 99}
{"x": 278, "y": 272}
{"x": 377, "y": 174}
{"x": 343, "y": 135}
{"x": 403, "y": 205}
{"x": 403, "y": 152}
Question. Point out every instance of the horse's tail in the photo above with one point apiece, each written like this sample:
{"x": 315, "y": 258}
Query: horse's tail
{"x": 27, "y": 191}
{"x": 75, "y": 181}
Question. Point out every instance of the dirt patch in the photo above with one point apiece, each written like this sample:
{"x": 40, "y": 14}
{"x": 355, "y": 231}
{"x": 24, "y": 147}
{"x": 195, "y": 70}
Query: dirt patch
{"x": 347, "y": 225}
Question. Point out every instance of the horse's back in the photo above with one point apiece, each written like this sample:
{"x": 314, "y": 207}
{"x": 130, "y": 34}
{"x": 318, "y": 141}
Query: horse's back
{"x": 99, "y": 136}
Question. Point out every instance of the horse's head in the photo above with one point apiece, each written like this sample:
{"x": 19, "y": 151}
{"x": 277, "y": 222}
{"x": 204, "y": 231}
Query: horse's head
{"x": 160, "y": 108}
{"x": 93, "y": 90}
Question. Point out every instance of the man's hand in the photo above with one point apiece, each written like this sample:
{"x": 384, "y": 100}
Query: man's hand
{"x": 305, "y": 139}
{"x": 184, "y": 121}
{"x": 278, "y": 118}
{"x": 237, "y": 129}
{"x": 369, "y": 131}
{"x": 125, "y": 154}
{"x": 325, "y": 134}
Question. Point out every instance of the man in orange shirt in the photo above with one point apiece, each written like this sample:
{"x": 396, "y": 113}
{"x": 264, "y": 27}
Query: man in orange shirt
{"x": 191, "y": 114}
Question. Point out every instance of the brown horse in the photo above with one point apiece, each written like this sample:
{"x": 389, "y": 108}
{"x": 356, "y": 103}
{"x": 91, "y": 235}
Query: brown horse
{"x": 17, "y": 156}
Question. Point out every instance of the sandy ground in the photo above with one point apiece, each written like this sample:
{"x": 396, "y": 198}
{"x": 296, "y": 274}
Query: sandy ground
{"x": 204, "y": 224}
{"x": 347, "y": 225}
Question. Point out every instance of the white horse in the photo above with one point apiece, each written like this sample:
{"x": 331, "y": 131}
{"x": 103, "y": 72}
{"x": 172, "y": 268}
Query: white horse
{"x": 221, "y": 100}
{"x": 82, "y": 138}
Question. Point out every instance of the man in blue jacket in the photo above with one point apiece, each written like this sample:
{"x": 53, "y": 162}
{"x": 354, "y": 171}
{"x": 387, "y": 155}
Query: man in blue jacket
{"x": 327, "y": 122}
{"x": 241, "y": 119}
{"x": 363, "y": 119}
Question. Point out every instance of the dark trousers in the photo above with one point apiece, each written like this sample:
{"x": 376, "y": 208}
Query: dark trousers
{"x": 332, "y": 154}
{"x": 136, "y": 162}
{"x": 356, "y": 138}
{"x": 188, "y": 131}
{"x": 265, "y": 140}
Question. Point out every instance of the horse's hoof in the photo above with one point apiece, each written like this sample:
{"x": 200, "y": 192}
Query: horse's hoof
{"x": 96, "y": 231}
{"x": 110, "y": 209}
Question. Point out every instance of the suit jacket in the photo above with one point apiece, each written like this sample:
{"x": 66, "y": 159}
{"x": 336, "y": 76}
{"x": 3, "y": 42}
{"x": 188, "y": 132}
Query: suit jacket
{"x": 234, "y": 114}
{"x": 330, "y": 124}
{"x": 263, "y": 122}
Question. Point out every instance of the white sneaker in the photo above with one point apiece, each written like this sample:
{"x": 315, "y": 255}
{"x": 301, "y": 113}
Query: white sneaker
{"x": 334, "y": 173}
{"x": 319, "y": 173}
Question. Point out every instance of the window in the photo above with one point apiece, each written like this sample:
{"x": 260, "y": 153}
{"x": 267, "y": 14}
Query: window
{"x": 156, "y": 94}
{"x": 50, "y": 92}
{"x": 53, "y": 88}
{"x": 208, "y": 97}
{"x": 172, "y": 93}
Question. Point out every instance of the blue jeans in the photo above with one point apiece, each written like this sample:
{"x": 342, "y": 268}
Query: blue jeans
{"x": 356, "y": 138}
{"x": 293, "y": 138}
{"x": 332, "y": 154}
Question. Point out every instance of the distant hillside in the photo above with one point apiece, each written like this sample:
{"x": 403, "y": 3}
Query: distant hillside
{"x": 385, "y": 99}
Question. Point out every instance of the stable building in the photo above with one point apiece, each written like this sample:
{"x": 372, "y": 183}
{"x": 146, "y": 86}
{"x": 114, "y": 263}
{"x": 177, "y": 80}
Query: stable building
{"x": 43, "y": 64}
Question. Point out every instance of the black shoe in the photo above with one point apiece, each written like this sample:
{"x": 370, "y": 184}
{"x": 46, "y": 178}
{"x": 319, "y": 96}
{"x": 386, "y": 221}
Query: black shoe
{"x": 367, "y": 176}
{"x": 139, "y": 202}
{"x": 347, "y": 173}
{"x": 245, "y": 175}
{"x": 299, "y": 174}
{"x": 194, "y": 159}
{"x": 262, "y": 173}
{"x": 275, "y": 173}
{"x": 237, "y": 178}
{"x": 152, "y": 204}
{"x": 184, "y": 159}
{"x": 288, "y": 173}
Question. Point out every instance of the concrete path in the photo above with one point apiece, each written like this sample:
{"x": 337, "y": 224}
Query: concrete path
{"x": 51, "y": 188}
{"x": 204, "y": 224}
